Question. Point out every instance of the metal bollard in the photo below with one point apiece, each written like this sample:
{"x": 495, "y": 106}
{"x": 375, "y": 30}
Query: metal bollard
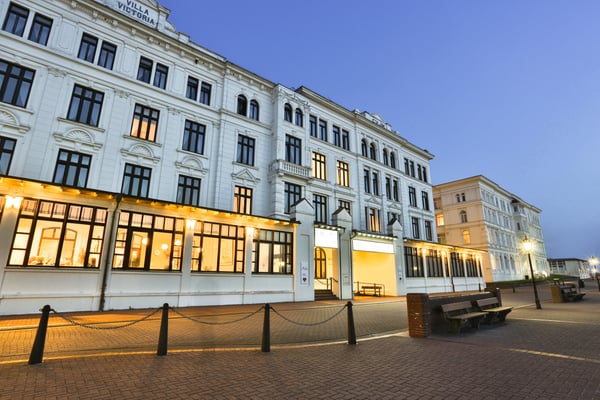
{"x": 351, "y": 330}
{"x": 37, "y": 351}
{"x": 266, "y": 337}
{"x": 164, "y": 332}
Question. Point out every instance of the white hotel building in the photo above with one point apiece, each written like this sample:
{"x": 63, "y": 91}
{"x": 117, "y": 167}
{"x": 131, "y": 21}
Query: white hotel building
{"x": 137, "y": 168}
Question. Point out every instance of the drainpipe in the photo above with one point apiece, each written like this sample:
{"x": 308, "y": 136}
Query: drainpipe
{"x": 109, "y": 252}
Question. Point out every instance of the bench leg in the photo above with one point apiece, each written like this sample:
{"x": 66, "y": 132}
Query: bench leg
{"x": 475, "y": 322}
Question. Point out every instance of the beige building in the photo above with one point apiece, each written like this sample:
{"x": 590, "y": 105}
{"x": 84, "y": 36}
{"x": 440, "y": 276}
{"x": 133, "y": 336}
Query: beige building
{"x": 478, "y": 213}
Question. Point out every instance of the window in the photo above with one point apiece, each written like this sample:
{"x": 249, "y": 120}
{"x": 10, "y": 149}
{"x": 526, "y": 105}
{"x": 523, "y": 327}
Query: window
{"x": 7, "y": 149}
{"x": 457, "y": 267}
{"x": 160, "y": 76}
{"x": 406, "y": 167}
{"x": 106, "y": 59}
{"x": 145, "y": 70}
{"x": 346, "y": 205}
{"x": 337, "y": 139}
{"x": 312, "y": 122}
{"x": 412, "y": 196}
{"x": 424, "y": 169}
{"x": 373, "y": 152}
{"x": 375, "y": 176}
{"x": 292, "y": 195}
{"x": 242, "y": 200}
{"x": 373, "y": 218}
{"x": 148, "y": 242}
{"x": 15, "y": 83}
{"x": 395, "y": 190}
{"x": 434, "y": 264}
{"x": 392, "y": 159}
{"x": 40, "y": 29}
{"x": 299, "y": 117}
{"x": 85, "y": 106}
{"x": 363, "y": 147}
{"x": 287, "y": 112}
{"x": 218, "y": 248}
{"x": 466, "y": 236}
{"x": 428, "y": 231}
{"x": 191, "y": 91}
{"x": 323, "y": 130}
{"x": 72, "y": 168}
{"x": 16, "y": 19}
{"x": 386, "y": 159}
{"x": 419, "y": 172}
{"x": 388, "y": 188}
{"x": 319, "y": 166}
{"x": 188, "y": 191}
{"x": 343, "y": 175}
{"x": 414, "y": 262}
{"x": 320, "y": 203}
{"x": 136, "y": 180}
{"x": 53, "y": 234}
{"x": 415, "y": 228}
{"x": 193, "y": 137}
{"x": 245, "y": 150}
{"x": 293, "y": 150}
{"x": 254, "y": 110}
{"x": 412, "y": 168}
{"x": 367, "y": 180}
{"x": 320, "y": 263}
{"x": 242, "y": 105}
{"x": 145, "y": 122}
{"x": 439, "y": 219}
{"x": 425, "y": 200}
{"x": 463, "y": 216}
{"x": 272, "y": 253}
{"x": 87, "y": 48}
{"x": 460, "y": 197}
{"x": 345, "y": 139}
{"x": 205, "y": 93}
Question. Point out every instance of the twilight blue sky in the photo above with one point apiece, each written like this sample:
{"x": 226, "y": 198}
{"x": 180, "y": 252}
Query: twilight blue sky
{"x": 506, "y": 89}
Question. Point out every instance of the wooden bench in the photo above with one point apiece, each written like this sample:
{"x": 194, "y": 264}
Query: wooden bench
{"x": 492, "y": 307}
{"x": 570, "y": 293}
{"x": 376, "y": 289}
{"x": 459, "y": 314}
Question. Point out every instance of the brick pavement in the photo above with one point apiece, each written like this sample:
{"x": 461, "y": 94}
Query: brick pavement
{"x": 553, "y": 353}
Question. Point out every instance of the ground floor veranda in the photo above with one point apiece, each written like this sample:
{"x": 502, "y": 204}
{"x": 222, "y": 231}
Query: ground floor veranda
{"x": 82, "y": 250}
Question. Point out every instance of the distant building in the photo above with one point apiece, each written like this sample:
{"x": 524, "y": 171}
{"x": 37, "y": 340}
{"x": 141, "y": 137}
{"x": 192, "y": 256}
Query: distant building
{"x": 138, "y": 168}
{"x": 571, "y": 266}
{"x": 477, "y": 213}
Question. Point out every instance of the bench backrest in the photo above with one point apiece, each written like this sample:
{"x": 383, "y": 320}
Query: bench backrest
{"x": 489, "y": 301}
{"x": 454, "y": 307}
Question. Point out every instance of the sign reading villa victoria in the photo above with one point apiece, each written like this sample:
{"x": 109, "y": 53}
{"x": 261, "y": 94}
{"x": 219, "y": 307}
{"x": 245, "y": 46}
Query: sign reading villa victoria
{"x": 135, "y": 10}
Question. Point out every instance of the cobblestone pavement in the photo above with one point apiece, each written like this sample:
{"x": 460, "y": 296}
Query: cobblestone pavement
{"x": 552, "y": 353}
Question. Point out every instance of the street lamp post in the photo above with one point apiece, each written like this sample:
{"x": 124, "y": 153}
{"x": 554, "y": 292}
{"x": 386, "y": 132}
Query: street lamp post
{"x": 594, "y": 261}
{"x": 528, "y": 246}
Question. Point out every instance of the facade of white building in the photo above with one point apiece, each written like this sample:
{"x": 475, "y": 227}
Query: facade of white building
{"x": 138, "y": 168}
{"x": 573, "y": 267}
{"x": 476, "y": 212}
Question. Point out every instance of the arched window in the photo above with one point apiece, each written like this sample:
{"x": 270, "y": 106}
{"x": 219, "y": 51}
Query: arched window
{"x": 373, "y": 151}
{"x": 299, "y": 117}
{"x": 463, "y": 216}
{"x": 385, "y": 157}
{"x": 254, "y": 110}
{"x": 242, "y": 105}
{"x": 287, "y": 112}
{"x": 363, "y": 147}
{"x": 392, "y": 159}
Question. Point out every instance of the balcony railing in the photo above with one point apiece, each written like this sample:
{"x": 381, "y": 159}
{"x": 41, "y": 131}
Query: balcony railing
{"x": 284, "y": 167}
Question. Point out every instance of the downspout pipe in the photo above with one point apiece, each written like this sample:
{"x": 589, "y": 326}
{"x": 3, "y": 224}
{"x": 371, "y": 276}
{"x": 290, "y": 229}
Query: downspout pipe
{"x": 109, "y": 252}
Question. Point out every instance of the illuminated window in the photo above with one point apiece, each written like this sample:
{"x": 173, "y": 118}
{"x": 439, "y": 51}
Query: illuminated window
{"x": 319, "y": 166}
{"x": 218, "y": 248}
{"x": 145, "y": 123}
{"x": 148, "y": 242}
{"x": 272, "y": 253}
{"x": 242, "y": 200}
{"x": 343, "y": 174}
{"x": 50, "y": 234}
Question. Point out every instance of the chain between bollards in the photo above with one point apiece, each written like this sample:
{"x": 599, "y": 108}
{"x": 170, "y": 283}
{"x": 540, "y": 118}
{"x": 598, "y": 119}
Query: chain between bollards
{"x": 164, "y": 331}
{"x": 351, "y": 330}
{"x": 37, "y": 351}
